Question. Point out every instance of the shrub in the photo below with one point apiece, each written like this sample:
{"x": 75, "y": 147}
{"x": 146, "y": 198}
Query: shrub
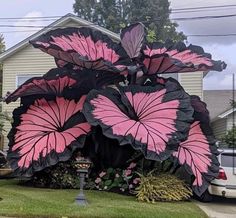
{"x": 62, "y": 175}
{"x": 163, "y": 187}
{"x": 118, "y": 180}
{"x": 4, "y": 117}
{"x": 230, "y": 137}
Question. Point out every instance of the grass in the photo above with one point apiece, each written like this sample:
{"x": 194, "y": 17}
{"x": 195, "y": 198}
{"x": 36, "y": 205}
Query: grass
{"x": 20, "y": 201}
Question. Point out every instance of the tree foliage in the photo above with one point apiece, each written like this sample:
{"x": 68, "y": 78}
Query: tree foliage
{"x": 2, "y": 49}
{"x": 230, "y": 137}
{"x": 115, "y": 14}
{"x": 2, "y": 44}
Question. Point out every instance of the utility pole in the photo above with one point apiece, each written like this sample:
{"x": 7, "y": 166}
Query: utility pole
{"x": 234, "y": 155}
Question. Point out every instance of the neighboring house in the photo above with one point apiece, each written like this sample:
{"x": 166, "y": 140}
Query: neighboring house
{"x": 221, "y": 112}
{"x": 22, "y": 62}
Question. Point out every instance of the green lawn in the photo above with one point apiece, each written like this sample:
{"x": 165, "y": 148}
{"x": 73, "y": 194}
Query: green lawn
{"x": 19, "y": 201}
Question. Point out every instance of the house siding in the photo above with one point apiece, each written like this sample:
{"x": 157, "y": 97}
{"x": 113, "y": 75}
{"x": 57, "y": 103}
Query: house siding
{"x": 230, "y": 121}
{"x": 192, "y": 83}
{"x": 219, "y": 128}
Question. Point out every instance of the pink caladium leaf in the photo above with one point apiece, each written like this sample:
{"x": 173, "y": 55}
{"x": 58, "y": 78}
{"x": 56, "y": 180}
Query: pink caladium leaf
{"x": 132, "y": 39}
{"x": 198, "y": 155}
{"x": 64, "y": 82}
{"x": 52, "y": 83}
{"x": 151, "y": 119}
{"x": 46, "y": 132}
{"x": 161, "y": 58}
{"x": 83, "y": 47}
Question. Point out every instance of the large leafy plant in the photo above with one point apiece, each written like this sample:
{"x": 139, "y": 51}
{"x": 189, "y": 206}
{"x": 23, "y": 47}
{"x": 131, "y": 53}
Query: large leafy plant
{"x": 108, "y": 100}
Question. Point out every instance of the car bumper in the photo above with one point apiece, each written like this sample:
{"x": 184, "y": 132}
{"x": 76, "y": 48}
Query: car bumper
{"x": 222, "y": 190}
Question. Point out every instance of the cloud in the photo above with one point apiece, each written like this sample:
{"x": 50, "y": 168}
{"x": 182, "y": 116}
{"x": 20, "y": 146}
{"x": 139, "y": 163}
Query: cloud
{"x": 221, "y": 80}
{"x": 221, "y": 48}
{"x": 218, "y": 81}
{"x": 228, "y": 79}
{"x": 207, "y": 26}
{"x": 24, "y": 32}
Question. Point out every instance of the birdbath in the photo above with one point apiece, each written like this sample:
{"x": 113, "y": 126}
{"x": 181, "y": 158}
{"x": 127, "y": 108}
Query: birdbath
{"x": 82, "y": 164}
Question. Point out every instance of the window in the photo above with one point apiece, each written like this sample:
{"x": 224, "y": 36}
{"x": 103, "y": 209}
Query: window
{"x": 228, "y": 160}
{"x": 173, "y": 75}
{"x": 20, "y": 79}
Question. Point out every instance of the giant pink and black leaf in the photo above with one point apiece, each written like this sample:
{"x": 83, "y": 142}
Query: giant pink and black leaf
{"x": 151, "y": 119}
{"x": 83, "y": 47}
{"x": 64, "y": 82}
{"x": 198, "y": 155}
{"x": 200, "y": 109}
{"x": 163, "y": 81}
{"x": 45, "y": 132}
{"x": 93, "y": 79}
{"x": 201, "y": 112}
{"x": 64, "y": 64}
{"x": 54, "y": 82}
{"x": 132, "y": 39}
{"x": 159, "y": 58}
{"x": 153, "y": 80}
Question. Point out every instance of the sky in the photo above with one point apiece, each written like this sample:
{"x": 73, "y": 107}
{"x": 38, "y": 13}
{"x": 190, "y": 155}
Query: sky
{"x": 221, "y": 48}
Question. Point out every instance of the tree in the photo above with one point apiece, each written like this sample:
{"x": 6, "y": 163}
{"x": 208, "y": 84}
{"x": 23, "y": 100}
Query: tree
{"x": 2, "y": 49}
{"x": 2, "y": 118}
{"x": 2, "y": 44}
{"x": 230, "y": 137}
{"x": 232, "y": 103}
{"x": 115, "y": 14}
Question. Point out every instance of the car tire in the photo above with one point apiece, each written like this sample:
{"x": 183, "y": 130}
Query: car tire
{"x": 205, "y": 197}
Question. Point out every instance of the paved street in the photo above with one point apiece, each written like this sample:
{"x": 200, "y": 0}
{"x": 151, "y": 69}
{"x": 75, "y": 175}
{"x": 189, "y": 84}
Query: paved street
{"x": 219, "y": 208}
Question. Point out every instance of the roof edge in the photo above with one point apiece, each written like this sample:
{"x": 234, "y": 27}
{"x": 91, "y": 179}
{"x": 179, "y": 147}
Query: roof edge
{"x": 227, "y": 113}
{"x": 22, "y": 44}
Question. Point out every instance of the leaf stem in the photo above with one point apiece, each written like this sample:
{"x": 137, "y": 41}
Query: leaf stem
{"x": 133, "y": 79}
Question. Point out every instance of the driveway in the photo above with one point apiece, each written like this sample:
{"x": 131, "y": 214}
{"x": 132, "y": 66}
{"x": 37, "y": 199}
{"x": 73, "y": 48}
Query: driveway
{"x": 219, "y": 208}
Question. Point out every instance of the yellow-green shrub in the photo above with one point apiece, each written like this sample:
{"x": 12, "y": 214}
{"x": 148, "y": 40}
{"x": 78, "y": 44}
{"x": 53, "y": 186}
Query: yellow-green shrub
{"x": 163, "y": 187}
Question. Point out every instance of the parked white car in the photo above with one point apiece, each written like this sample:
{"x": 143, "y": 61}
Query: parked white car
{"x": 225, "y": 184}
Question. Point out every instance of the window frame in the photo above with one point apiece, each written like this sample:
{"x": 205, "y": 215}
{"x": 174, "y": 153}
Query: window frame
{"x": 25, "y": 75}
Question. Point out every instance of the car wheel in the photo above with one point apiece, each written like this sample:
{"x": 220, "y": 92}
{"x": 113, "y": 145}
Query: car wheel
{"x": 205, "y": 197}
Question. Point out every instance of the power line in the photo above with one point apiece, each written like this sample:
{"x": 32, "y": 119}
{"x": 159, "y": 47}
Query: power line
{"x": 30, "y": 20}
{"x": 19, "y": 31}
{"x": 201, "y": 11}
{"x": 42, "y": 26}
{"x": 176, "y": 19}
{"x": 190, "y": 35}
{"x": 51, "y": 18}
{"x": 204, "y": 17}
{"x": 173, "y": 10}
{"x": 203, "y": 7}
{"x": 212, "y": 35}
{"x": 35, "y": 19}
{"x": 26, "y": 18}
